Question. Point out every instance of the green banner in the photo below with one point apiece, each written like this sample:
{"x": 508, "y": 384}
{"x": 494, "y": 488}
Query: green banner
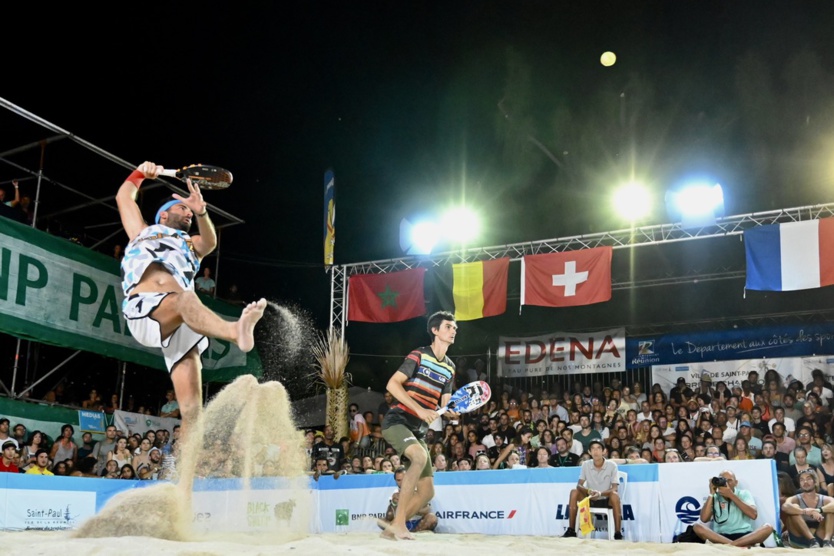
{"x": 56, "y": 292}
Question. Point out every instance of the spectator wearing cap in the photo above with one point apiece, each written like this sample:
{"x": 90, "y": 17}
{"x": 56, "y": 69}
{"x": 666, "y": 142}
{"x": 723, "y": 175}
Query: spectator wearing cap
{"x": 745, "y": 431}
{"x": 9, "y": 455}
{"x": 150, "y": 470}
{"x": 705, "y": 385}
{"x": 681, "y": 393}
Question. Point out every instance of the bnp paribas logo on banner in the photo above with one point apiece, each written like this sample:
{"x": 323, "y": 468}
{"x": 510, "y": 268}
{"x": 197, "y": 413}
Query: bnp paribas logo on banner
{"x": 342, "y": 519}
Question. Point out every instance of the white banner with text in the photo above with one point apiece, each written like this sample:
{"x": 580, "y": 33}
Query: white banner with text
{"x": 562, "y": 353}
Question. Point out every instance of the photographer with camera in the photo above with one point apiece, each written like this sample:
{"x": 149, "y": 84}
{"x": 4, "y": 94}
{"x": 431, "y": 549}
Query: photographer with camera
{"x": 808, "y": 514}
{"x": 733, "y": 512}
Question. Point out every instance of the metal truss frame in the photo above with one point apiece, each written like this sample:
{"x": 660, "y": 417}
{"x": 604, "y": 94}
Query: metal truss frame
{"x": 628, "y": 238}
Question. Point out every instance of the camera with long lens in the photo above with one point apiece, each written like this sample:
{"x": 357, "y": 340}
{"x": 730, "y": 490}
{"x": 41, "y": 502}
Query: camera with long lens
{"x": 719, "y": 482}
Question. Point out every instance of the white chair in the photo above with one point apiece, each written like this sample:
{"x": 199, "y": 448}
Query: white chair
{"x": 622, "y": 480}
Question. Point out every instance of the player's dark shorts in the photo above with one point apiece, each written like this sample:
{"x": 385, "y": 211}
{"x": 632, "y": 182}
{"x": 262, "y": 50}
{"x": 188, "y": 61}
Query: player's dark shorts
{"x": 734, "y": 536}
{"x": 600, "y": 503}
{"x": 399, "y": 431}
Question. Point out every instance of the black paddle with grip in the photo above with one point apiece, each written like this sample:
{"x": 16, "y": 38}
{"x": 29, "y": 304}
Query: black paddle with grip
{"x": 207, "y": 177}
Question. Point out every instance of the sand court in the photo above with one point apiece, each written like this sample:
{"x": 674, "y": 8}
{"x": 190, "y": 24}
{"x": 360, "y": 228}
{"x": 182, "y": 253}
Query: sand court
{"x": 32, "y": 543}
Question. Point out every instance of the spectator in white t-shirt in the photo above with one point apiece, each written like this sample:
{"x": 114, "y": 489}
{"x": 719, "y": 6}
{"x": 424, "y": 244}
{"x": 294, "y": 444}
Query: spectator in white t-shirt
{"x": 779, "y": 416}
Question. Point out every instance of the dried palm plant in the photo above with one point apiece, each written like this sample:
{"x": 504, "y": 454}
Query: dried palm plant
{"x": 332, "y": 356}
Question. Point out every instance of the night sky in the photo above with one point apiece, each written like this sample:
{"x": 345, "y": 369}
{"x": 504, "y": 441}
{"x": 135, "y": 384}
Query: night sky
{"x": 417, "y": 105}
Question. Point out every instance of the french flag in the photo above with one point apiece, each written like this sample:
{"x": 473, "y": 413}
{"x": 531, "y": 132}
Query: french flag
{"x": 791, "y": 256}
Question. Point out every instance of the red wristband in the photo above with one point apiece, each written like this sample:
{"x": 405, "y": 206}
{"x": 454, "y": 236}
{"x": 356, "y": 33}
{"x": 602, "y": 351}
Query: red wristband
{"x": 136, "y": 178}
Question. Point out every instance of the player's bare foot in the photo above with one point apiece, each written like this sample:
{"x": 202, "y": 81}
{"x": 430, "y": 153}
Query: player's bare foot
{"x": 386, "y": 533}
{"x": 396, "y": 533}
{"x": 252, "y": 313}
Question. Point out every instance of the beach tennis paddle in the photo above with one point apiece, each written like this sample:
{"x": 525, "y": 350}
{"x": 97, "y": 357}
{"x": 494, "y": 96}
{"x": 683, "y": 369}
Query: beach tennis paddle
{"x": 204, "y": 175}
{"x": 468, "y": 398}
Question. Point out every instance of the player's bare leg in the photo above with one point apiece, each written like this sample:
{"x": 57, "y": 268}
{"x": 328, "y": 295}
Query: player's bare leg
{"x": 187, "y": 380}
{"x": 410, "y": 496}
{"x": 186, "y": 375}
{"x": 186, "y": 307}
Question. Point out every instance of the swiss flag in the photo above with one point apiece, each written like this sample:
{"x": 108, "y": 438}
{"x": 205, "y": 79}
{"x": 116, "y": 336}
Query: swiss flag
{"x": 567, "y": 279}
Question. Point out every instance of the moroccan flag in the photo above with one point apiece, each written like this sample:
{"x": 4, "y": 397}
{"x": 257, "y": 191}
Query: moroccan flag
{"x": 391, "y": 297}
{"x": 790, "y": 256}
{"x": 567, "y": 279}
{"x": 480, "y": 288}
{"x": 586, "y": 522}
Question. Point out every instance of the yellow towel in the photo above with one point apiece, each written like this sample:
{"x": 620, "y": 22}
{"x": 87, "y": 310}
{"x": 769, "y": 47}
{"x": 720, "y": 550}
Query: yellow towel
{"x": 586, "y": 522}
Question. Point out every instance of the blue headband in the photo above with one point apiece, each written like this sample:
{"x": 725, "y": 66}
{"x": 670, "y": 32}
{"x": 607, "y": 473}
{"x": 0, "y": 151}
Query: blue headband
{"x": 164, "y": 208}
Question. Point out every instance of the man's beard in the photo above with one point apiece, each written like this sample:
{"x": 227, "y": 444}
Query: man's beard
{"x": 178, "y": 223}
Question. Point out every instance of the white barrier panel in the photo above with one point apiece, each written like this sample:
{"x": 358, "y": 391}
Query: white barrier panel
{"x": 132, "y": 423}
{"x": 267, "y": 503}
{"x": 522, "y": 502}
{"x": 685, "y": 487}
{"x": 30, "y": 502}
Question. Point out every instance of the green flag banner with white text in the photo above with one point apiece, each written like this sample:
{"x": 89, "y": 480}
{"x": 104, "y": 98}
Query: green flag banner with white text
{"x": 55, "y": 292}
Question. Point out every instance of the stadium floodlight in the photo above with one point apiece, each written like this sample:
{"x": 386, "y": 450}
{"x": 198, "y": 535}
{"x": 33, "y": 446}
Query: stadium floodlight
{"x": 460, "y": 226}
{"x": 697, "y": 204}
{"x": 632, "y": 201}
{"x": 418, "y": 238}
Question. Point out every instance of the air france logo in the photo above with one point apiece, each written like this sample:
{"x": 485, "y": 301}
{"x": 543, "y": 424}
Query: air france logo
{"x": 476, "y": 514}
{"x": 688, "y": 510}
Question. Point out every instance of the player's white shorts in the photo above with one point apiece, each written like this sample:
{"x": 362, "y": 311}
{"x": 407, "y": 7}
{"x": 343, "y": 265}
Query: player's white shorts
{"x": 138, "y": 310}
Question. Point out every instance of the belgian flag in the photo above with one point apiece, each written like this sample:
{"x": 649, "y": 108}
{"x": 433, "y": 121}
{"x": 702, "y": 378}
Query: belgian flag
{"x": 478, "y": 289}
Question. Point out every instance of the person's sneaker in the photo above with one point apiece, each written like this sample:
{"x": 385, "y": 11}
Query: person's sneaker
{"x": 618, "y": 536}
{"x": 815, "y": 543}
{"x": 569, "y": 533}
{"x": 829, "y": 543}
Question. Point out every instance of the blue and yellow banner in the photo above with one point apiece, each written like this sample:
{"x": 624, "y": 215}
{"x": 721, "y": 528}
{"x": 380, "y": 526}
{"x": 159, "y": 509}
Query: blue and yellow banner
{"x": 329, "y": 216}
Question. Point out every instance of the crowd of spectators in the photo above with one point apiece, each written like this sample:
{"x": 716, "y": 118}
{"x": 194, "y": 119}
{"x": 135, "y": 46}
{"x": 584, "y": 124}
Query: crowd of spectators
{"x": 94, "y": 402}
{"x": 758, "y": 418}
{"x": 148, "y": 456}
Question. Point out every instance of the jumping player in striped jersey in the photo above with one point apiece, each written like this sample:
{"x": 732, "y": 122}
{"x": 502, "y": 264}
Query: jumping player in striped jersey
{"x": 423, "y": 383}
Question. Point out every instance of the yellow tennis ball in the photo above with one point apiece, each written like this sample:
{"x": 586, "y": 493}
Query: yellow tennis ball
{"x": 608, "y": 59}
